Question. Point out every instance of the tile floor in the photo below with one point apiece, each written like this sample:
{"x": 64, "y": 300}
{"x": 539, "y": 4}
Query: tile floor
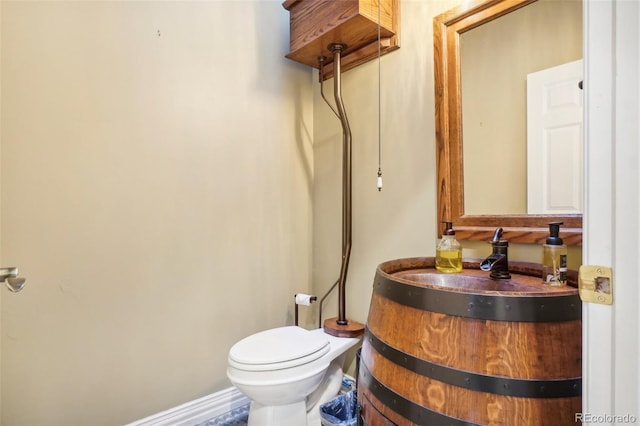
{"x": 237, "y": 417}
{"x": 240, "y": 415}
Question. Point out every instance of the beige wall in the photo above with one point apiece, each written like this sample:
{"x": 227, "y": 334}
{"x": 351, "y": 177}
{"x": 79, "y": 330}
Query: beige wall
{"x": 157, "y": 182}
{"x": 1, "y": 264}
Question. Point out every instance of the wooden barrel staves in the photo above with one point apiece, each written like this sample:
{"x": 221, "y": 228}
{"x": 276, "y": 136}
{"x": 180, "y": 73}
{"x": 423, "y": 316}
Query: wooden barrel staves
{"x": 463, "y": 349}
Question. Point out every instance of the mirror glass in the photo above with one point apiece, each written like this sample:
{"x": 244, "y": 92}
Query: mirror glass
{"x": 481, "y": 117}
{"x": 495, "y": 59}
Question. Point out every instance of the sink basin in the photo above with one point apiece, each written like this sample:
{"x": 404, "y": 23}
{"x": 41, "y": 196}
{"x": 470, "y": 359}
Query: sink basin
{"x": 463, "y": 282}
{"x": 525, "y": 277}
{"x": 472, "y": 293}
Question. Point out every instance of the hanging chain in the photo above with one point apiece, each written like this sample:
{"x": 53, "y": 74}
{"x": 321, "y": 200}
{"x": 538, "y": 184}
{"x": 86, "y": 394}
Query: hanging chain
{"x": 379, "y": 180}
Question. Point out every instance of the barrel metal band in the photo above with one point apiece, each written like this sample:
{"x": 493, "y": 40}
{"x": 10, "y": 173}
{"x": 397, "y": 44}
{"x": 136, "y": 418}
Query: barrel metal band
{"x": 487, "y": 307}
{"x": 414, "y": 412}
{"x": 525, "y": 388}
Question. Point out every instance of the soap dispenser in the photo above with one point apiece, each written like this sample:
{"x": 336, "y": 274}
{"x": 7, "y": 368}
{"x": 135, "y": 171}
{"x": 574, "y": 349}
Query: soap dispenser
{"x": 449, "y": 252}
{"x": 554, "y": 257}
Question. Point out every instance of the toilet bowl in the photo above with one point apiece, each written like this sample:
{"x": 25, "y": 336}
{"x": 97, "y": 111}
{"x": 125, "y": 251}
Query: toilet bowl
{"x": 287, "y": 372}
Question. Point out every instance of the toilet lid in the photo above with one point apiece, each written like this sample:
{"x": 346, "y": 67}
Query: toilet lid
{"x": 278, "y": 348}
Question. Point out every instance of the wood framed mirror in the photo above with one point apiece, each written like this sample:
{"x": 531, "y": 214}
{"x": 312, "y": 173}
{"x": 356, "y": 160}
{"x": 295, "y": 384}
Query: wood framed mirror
{"x": 520, "y": 227}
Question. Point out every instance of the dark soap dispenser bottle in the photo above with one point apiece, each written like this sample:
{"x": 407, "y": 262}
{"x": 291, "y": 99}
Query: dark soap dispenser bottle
{"x": 449, "y": 252}
{"x": 554, "y": 257}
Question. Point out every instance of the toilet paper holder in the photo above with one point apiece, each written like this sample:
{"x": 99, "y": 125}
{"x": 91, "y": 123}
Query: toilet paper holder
{"x": 301, "y": 299}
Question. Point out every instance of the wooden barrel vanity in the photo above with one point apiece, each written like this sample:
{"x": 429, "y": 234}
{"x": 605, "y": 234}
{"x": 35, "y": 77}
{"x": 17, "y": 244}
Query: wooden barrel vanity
{"x": 464, "y": 349}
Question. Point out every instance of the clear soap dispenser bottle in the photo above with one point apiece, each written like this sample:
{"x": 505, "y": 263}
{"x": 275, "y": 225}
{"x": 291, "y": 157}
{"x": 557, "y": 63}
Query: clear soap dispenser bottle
{"x": 554, "y": 257}
{"x": 449, "y": 252}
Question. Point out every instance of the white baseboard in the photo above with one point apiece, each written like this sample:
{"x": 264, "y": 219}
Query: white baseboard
{"x": 197, "y": 411}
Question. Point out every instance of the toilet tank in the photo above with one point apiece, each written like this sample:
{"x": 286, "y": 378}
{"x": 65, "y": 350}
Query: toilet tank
{"x": 315, "y": 24}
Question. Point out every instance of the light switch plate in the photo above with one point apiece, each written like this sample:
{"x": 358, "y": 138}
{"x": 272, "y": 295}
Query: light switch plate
{"x": 595, "y": 284}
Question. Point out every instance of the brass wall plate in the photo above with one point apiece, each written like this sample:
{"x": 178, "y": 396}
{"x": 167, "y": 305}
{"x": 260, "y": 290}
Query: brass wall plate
{"x": 595, "y": 284}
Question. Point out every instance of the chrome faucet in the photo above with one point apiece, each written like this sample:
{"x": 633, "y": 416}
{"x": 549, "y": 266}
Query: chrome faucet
{"x": 498, "y": 261}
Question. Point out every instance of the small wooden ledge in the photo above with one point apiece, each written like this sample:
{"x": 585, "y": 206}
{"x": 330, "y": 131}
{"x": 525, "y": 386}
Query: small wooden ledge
{"x": 351, "y": 329}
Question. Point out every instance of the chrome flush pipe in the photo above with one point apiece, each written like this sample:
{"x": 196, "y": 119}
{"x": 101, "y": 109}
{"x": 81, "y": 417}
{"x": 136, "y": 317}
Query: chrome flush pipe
{"x": 321, "y": 60}
{"x": 336, "y": 49}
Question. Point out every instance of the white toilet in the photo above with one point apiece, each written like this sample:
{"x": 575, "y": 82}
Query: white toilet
{"x": 287, "y": 372}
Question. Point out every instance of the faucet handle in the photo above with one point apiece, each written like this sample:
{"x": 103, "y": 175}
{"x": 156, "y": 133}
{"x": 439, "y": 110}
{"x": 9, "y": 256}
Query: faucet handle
{"x": 499, "y": 245}
{"x": 497, "y": 236}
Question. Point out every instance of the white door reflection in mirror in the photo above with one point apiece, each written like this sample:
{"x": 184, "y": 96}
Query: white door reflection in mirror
{"x": 554, "y": 140}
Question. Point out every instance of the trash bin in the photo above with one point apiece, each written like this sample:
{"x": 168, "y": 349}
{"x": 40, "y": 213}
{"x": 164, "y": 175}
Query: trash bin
{"x": 340, "y": 411}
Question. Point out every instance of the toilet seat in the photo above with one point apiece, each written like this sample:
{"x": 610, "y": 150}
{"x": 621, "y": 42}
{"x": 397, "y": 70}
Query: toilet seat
{"x": 277, "y": 349}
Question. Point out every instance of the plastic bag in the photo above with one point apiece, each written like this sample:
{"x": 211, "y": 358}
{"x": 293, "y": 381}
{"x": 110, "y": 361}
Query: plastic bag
{"x": 340, "y": 411}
